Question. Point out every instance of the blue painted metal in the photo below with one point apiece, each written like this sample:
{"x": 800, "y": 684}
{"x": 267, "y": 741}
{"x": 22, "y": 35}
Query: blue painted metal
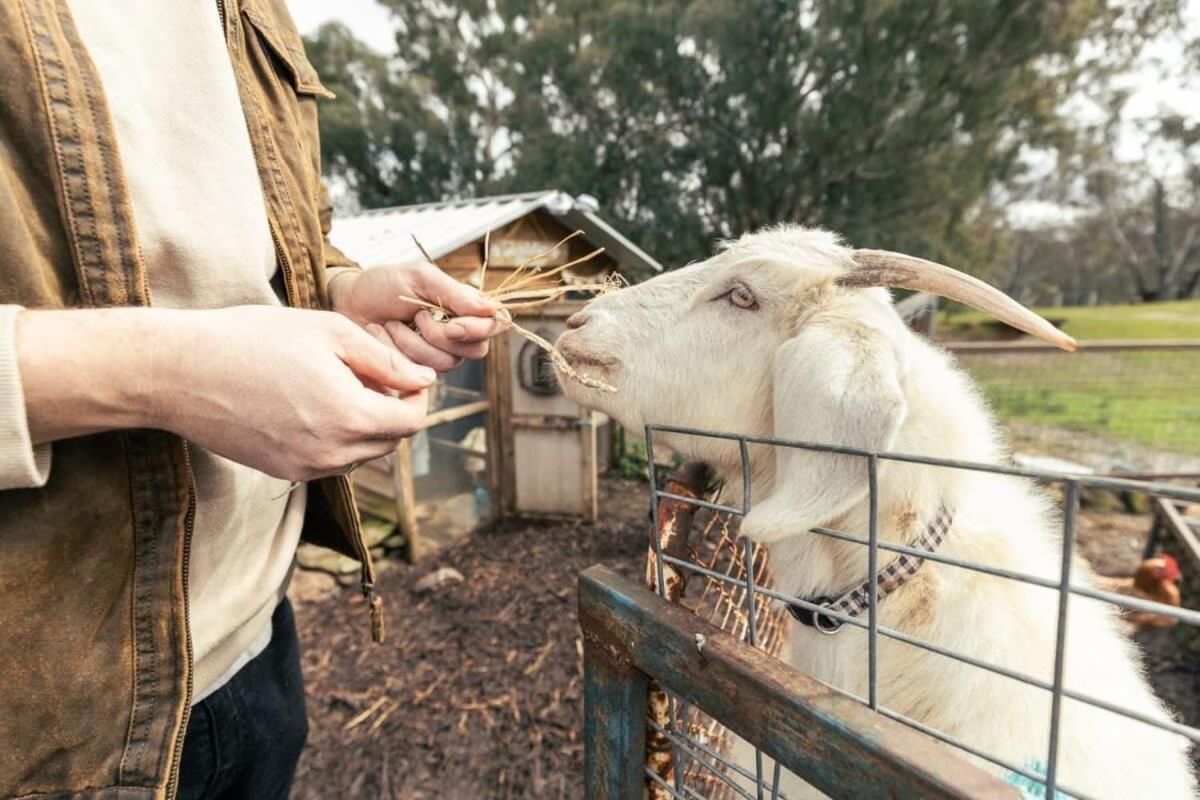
{"x": 614, "y": 726}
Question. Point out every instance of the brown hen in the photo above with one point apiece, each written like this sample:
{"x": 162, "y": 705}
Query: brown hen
{"x": 1156, "y": 579}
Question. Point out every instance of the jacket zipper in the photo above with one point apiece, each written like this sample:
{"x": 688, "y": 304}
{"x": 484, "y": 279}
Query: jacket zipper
{"x": 374, "y": 603}
{"x": 188, "y": 524}
{"x": 284, "y": 265}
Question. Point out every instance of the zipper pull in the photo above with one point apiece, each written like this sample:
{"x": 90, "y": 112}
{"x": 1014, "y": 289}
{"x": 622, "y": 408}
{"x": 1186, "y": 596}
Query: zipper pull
{"x": 376, "y": 607}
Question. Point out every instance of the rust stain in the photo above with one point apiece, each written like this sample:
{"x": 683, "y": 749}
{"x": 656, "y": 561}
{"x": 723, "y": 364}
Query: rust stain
{"x": 671, "y": 535}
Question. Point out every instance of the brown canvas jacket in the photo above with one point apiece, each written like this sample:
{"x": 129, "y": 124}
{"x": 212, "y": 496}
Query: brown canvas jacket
{"x": 94, "y": 654}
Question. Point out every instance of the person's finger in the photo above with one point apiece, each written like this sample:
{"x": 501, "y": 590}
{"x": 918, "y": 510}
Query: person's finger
{"x": 359, "y": 453}
{"x": 396, "y": 417}
{"x": 368, "y": 450}
{"x": 379, "y": 333}
{"x": 459, "y": 298}
{"x": 473, "y": 329}
{"x": 372, "y": 360}
{"x": 437, "y": 334}
{"x": 418, "y": 350}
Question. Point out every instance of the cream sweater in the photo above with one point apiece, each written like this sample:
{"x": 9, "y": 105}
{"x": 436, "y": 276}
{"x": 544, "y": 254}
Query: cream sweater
{"x": 202, "y": 228}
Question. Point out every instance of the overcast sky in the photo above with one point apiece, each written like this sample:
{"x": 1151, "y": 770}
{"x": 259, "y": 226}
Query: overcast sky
{"x": 369, "y": 21}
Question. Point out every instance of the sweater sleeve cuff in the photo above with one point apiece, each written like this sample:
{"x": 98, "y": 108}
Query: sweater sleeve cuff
{"x": 22, "y": 466}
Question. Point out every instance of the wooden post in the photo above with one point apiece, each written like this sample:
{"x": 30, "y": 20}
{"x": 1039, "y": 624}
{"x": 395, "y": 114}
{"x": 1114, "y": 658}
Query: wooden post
{"x": 590, "y": 502}
{"x": 406, "y": 498}
{"x": 614, "y": 726}
{"x": 1174, "y": 522}
{"x": 500, "y": 430}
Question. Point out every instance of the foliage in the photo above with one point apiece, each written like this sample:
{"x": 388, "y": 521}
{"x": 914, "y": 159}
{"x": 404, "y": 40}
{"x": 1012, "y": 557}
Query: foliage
{"x": 1155, "y": 237}
{"x": 690, "y": 120}
{"x": 383, "y": 135}
{"x": 633, "y": 462}
{"x": 1120, "y": 201}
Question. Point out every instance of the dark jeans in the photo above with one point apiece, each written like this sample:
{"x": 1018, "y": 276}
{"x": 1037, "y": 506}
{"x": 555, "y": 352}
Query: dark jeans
{"x": 243, "y": 740}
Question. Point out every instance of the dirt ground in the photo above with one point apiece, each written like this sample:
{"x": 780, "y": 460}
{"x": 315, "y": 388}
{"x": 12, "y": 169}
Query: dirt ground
{"x": 477, "y": 691}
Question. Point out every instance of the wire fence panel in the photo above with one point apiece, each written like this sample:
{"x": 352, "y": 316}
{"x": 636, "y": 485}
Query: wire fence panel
{"x": 1112, "y": 406}
{"x": 698, "y": 561}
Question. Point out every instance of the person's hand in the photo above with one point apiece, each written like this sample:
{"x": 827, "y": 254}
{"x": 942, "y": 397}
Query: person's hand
{"x": 289, "y": 392}
{"x": 372, "y": 299}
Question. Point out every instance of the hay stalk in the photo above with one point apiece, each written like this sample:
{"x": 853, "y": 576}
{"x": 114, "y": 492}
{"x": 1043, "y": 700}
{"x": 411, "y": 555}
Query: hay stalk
{"x": 518, "y": 292}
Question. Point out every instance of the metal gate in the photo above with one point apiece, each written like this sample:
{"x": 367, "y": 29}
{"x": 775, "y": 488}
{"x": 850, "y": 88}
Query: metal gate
{"x": 844, "y": 745}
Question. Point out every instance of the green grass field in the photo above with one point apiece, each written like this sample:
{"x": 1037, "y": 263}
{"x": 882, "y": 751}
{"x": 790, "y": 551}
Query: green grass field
{"x": 1148, "y": 398}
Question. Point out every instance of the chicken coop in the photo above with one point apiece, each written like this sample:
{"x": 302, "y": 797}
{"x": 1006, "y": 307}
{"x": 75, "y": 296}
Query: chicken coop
{"x": 501, "y": 439}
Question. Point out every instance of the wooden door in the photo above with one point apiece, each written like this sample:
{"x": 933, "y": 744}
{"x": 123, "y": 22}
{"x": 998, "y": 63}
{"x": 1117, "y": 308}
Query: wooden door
{"x": 553, "y": 455}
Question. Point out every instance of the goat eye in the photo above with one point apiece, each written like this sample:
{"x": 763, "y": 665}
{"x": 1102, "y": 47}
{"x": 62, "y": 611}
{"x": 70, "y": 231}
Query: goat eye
{"x": 742, "y": 297}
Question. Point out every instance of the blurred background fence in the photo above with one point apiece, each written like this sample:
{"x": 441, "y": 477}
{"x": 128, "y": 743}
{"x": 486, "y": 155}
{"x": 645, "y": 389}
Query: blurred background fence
{"x": 1113, "y": 406}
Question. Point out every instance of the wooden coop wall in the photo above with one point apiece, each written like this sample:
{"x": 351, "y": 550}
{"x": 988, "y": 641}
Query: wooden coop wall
{"x": 525, "y": 237}
{"x": 546, "y": 454}
{"x": 554, "y": 441}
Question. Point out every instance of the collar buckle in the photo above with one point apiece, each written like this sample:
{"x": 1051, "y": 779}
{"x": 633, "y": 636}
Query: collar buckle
{"x": 815, "y": 619}
{"x": 855, "y": 601}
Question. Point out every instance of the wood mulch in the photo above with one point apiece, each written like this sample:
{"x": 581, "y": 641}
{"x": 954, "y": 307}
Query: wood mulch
{"x": 477, "y": 691}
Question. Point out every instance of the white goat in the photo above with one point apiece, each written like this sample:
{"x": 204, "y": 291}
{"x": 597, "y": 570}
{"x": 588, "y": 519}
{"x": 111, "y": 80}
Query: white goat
{"x": 782, "y": 334}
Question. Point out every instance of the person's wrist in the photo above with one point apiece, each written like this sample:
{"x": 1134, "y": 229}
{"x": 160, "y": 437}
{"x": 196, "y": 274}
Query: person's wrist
{"x": 157, "y": 370}
{"x": 339, "y": 290}
{"x": 90, "y": 370}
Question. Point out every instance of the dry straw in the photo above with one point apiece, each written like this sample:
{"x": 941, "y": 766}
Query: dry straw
{"x": 525, "y": 288}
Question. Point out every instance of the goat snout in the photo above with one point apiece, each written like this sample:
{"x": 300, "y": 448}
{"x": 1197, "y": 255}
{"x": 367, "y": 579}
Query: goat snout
{"x": 578, "y": 319}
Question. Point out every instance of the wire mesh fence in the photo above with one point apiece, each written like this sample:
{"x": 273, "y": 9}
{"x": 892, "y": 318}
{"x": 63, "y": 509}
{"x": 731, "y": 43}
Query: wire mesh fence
{"x": 691, "y": 756}
{"x": 712, "y": 544}
{"x": 1131, "y": 405}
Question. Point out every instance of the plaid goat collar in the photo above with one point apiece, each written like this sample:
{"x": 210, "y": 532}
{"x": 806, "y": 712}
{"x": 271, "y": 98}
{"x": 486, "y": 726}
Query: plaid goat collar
{"x": 857, "y": 600}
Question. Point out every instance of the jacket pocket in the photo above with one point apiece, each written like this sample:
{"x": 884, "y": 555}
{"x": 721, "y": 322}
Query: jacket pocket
{"x": 285, "y": 43}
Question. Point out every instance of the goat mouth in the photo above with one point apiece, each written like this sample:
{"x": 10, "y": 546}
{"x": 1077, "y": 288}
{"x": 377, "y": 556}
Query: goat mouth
{"x": 602, "y": 364}
{"x": 581, "y": 358}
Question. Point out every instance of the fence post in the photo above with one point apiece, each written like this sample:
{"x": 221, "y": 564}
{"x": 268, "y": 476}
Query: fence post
{"x": 614, "y": 725}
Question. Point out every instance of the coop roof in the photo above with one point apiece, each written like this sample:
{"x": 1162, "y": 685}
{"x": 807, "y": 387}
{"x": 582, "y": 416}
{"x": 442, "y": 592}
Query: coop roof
{"x": 384, "y": 236}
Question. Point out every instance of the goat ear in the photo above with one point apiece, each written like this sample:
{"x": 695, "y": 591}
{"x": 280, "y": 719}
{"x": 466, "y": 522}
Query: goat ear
{"x": 836, "y": 383}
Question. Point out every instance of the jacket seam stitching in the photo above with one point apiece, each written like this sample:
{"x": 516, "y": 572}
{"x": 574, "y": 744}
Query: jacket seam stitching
{"x": 40, "y": 39}
{"x": 128, "y": 254}
{"x": 135, "y": 736}
{"x": 271, "y": 157}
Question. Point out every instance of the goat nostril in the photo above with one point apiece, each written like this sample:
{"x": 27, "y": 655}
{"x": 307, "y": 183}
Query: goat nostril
{"x": 577, "y": 320}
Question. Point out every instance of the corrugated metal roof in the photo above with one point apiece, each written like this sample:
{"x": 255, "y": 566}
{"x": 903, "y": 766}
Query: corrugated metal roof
{"x": 384, "y": 236}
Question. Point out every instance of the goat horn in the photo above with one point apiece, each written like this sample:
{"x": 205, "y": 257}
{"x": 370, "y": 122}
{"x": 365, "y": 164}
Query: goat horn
{"x": 898, "y": 271}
